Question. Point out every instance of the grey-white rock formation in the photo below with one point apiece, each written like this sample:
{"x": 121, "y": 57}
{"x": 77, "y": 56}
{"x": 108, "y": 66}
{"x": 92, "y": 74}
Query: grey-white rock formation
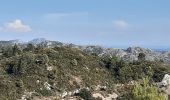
{"x": 130, "y": 53}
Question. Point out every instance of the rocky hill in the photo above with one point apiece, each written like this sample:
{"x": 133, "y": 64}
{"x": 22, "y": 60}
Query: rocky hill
{"x": 128, "y": 54}
{"x": 42, "y": 72}
{"x": 51, "y": 70}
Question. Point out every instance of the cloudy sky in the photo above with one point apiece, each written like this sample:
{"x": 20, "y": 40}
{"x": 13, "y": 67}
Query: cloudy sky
{"x": 113, "y": 23}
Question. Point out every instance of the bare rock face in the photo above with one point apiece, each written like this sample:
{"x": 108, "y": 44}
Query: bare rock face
{"x": 130, "y": 54}
{"x": 135, "y": 51}
{"x": 164, "y": 85}
{"x": 166, "y": 80}
{"x": 114, "y": 52}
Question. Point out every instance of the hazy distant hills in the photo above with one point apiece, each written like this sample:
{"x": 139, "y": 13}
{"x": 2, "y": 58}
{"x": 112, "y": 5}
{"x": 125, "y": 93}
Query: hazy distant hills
{"x": 130, "y": 53}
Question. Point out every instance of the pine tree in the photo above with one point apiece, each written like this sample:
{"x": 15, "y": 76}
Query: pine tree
{"x": 30, "y": 47}
{"x": 16, "y": 50}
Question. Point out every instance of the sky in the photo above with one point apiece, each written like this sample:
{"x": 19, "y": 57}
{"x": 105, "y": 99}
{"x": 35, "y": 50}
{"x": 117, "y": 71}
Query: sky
{"x": 110, "y": 23}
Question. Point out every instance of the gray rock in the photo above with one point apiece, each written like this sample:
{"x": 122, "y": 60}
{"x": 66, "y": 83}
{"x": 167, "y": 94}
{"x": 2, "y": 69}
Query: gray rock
{"x": 129, "y": 54}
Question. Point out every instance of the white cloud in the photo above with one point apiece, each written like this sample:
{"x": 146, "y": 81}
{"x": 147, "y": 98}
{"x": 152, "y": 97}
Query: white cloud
{"x": 61, "y": 15}
{"x": 16, "y": 26}
{"x": 120, "y": 24}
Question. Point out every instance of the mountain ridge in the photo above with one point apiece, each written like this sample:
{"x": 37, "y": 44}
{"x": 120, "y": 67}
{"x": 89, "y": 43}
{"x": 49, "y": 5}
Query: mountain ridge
{"x": 131, "y": 53}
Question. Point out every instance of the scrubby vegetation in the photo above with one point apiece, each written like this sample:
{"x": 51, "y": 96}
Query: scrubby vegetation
{"x": 63, "y": 68}
{"x": 147, "y": 91}
{"x": 85, "y": 94}
{"x": 124, "y": 71}
{"x": 47, "y": 71}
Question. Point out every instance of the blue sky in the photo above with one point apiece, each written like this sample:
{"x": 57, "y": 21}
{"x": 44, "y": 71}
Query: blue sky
{"x": 112, "y": 23}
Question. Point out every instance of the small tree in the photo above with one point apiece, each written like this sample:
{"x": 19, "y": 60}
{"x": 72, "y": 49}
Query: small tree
{"x": 141, "y": 57}
{"x": 16, "y": 50}
{"x": 30, "y": 47}
{"x": 7, "y": 52}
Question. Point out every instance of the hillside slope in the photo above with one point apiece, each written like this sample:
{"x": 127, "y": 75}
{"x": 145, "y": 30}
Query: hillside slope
{"x": 48, "y": 72}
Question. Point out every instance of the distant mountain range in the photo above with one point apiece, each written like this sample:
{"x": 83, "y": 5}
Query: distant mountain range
{"x": 130, "y": 53}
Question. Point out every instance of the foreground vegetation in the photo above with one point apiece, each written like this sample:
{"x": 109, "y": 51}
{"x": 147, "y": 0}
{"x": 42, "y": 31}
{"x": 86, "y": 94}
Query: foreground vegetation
{"x": 147, "y": 91}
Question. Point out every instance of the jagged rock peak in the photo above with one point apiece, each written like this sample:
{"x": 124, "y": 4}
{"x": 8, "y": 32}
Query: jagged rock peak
{"x": 138, "y": 49}
{"x": 38, "y": 40}
{"x": 16, "y": 41}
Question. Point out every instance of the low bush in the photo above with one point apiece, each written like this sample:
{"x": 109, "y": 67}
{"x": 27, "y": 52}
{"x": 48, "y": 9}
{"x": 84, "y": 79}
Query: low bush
{"x": 85, "y": 94}
{"x": 147, "y": 91}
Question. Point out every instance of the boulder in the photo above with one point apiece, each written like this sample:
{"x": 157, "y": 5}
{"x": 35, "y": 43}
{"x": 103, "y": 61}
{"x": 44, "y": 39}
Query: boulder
{"x": 165, "y": 81}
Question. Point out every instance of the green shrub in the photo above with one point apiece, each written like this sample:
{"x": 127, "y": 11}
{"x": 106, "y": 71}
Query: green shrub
{"x": 43, "y": 58}
{"x": 74, "y": 62}
{"x": 85, "y": 94}
{"x": 16, "y": 50}
{"x": 30, "y": 47}
{"x": 19, "y": 83}
{"x": 7, "y": 52}
{"x": 45, "y": 92}
{"x": 147, "y": 92}
{"x": 141, "y": 57}
{"x": 125, "y": 96}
